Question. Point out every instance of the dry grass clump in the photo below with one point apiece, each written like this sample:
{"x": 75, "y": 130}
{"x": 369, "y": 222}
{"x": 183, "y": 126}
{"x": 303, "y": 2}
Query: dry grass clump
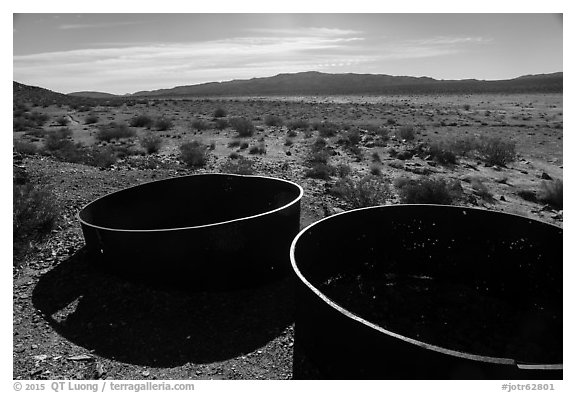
{"x": 113, "y": 130}
{"x": 151, "y": 143}
{"x": 552, "y": 193}
{"x": 243, "y": 126}
{"x": 427, "y": 190}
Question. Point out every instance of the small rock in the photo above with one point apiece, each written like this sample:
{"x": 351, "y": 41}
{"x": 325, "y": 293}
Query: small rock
{"x": 40, "y": 358}
{"x": 146, "y": 373}
{"x": 502, "y": 198}
{"x": 546, "y": 176}
{"x": 80, "y": 358}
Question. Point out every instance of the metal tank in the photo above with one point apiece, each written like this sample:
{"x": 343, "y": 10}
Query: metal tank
{"x": 206, "y": 230}
{"x": 371, "y": 280}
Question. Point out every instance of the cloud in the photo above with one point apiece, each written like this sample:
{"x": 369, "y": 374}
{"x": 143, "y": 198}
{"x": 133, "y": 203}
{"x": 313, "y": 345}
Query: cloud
{"x": 96, "y": 25}
{"x": 184, "y": 63}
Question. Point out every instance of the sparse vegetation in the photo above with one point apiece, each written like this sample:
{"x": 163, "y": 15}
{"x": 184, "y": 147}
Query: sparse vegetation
{"x": 163, "y": 124}
{"x": 238, "y": 165}
{"x": 114, "y": 131}
{"x": 62, "y": 121}
{"x": 91, "y": 119}
{"x": 427, "y": 190}
{"x": 194, "y": 154}
{"x": 273, "y": 121}
{"x": 243, "y": 126}
{"x": 34, "y": 213}
{"x": 258, "y": 149}
{"x": 221, "y": 124}
{"x": 368, "y": 191}
{"x": 325, "y": 129}
{"x": 26, "y": 148}
{"x": 142, "y": 121}
{"x": 220, "y": 112}
{"x": 552, "y": 193}
{"x": 406, "y": 133}
{"x": 151, "y": 143}
{"x": 497, "y": 152}
{"x": 199, "y": 124}
{"x": 442, "y": 153}
{"x": 298, "y": 124}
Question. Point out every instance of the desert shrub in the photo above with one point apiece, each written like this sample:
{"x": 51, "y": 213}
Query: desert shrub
{"x": 234, "y": 143}
{"x": 273, "y": 121}
{"x": 376, "y": 169}
{"x": 462, "y": 146}
{"x": 212, "y": 145}
{"x": 24, "y": 121}
{"x": 317, "y": 157}
{"x": 552, "y": 193}
{"x": 288, "y": 142}
{"x": 442, "y": 153}
{"x": 91, "y": 119}
{"x": 243, "y": 126}
{"x": 151, "y": 143}
{"x": 163, "y": 124}
{"x": 376, "y": 157}
{"x": 258, "y": 149}
{"x": 102, "y": 157}
{"x": 62, "y": 121}
{"x": 199, "y": 124}
{"x": 481, "y": 190}
{"x": 194, "y": 154}
{"x": 221, "y": 124}
{"x": 320, "y": 170}
{"x": 350, "y": 138}
{"x": 343, "y": 170}
{"x": 34, "y": 213}
{"x": 298, "y": 124}
{"x": 369, "y": 191}
{"x": 58, "y": 140}
{"x": 238, "y": 165}
{"x": 26, "y": 148}
{"x": 244, "y": 145}
{"x": 114, "y": 131}
{"x": 141, "y": 121}
{"x": 466, "y": 107}
{"x": 406, "y": 133}
{"x": 495, "y": 151}
{"x": 428, "y": 190}
{"x": 326, "y": 129}
{"x": 390, "y": 121}
{"x": 220, "y": 112}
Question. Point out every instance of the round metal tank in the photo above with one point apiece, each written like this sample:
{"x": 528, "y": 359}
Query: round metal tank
{"x": 207, "y": 230}
{"x": 428, "y": 292}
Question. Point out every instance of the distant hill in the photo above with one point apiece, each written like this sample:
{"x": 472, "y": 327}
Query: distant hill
{"x": 38, "y": 95}
{"x": 317, "y": 83}
{"x": 92, "y": 94}
{"x": 43, "y": 97}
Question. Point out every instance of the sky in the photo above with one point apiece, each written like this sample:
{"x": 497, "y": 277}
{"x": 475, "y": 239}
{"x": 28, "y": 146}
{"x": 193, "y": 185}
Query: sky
{"x": 125, "y": 53}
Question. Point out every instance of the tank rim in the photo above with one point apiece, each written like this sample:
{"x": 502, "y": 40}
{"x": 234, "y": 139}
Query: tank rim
{"x": 294, "y": 201}
{"x": 409, "y": 340}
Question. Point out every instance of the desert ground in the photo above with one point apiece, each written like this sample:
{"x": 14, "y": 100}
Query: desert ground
{"x": 74, "y": 322}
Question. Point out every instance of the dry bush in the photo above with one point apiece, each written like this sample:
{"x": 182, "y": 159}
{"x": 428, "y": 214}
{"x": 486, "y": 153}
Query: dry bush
{"x": 163, "y": 124}
{"x": 238, "y": 165}
{"x": 497, "y": 152}
{"x": 151, "y": 143}
{"x": 26, "y": 148}
{"x": 406, "y": 133}
{"x": 273, "y": 121}
{"x": 34, "y": 213}
{"x": 199, "y": 124}
{"x": 298, "y": 124}
{"x": 427, "y": 190}
{"x": 91, "y": 119}
{"x": 142, "y": 121}
{"x": 220, "y": 112}
{"x": 369, "y": 191}
{"x": 194, "y": 154}
{"x": 243, "y": 126}
{"x": 111, "y": 131}
{"x": 552, "y": 193}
